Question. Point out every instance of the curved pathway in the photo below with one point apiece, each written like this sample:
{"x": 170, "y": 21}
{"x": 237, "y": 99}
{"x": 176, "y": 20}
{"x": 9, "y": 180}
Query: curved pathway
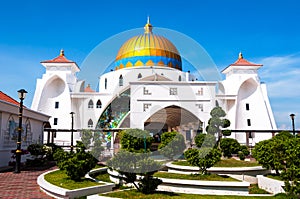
{"x": 22, "y": 185}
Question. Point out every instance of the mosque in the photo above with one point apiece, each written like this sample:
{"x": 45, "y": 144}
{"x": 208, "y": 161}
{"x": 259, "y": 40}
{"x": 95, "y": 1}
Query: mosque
{"x": 148, "y": 89}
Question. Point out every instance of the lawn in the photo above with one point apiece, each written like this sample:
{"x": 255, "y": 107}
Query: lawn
{"x": 274, "y": 176}
{"x": 101, "y": 177}
{"x": 210, "y": 177}
{"x": 59, "y": 178}
{"x": 133, "y": 194}
{"x": 224, "y": 163}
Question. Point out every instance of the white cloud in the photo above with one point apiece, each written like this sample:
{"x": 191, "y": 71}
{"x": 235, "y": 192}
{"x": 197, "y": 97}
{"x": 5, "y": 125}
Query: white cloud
{"x": 282, "y": 77}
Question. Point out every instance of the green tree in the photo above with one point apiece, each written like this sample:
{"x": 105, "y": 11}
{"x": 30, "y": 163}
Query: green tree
{"x": 205, "y": 140}
{"x": 132, "y": 160}
{"x": 172, "y": 144}
{"x": 281, "y": 153}
{"x": 86, "y": 137}
{"x": 203, "y": 158}
{"x": 217, "y": 123}
{"x": 271, "y": 153}
{"x": 135, "y": 140}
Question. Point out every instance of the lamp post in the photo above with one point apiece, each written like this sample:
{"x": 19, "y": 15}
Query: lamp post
{"x": 22, "y": 95}
{"x": 293, "y": 122}
{"x": 72, "y": 129}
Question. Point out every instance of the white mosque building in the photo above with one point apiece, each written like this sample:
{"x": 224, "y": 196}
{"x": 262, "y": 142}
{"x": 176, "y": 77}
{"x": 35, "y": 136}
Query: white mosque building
{"x": 149, "y": 90}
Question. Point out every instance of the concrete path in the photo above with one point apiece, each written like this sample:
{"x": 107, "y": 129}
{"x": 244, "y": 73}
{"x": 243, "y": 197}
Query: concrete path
{"x": 22, "y": 185}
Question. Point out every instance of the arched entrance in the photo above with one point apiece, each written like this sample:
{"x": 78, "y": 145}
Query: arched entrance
{"x": 174, "y": 118}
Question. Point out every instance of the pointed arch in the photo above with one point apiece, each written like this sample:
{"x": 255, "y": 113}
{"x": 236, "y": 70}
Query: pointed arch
{"x": 99, "y": 104}
{"x": 105, "y": 83}
{"x": 90, "y": 123}
{"x": 121, "y": 80}
{"x": 91, "y": 104}
{"x": 140, "y": 76}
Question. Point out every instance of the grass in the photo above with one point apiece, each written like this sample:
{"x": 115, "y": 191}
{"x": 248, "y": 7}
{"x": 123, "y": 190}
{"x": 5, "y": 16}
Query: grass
{"x": 274, "y": 176}
{"x": 210, "y": 177}
{"x": 102, "y": 177}
{"x": 224, "y": 163}
{"x": 59, "y": 178}
{"x": 235, "y": 163}
{"x": 133, "y": 194}
{"x": 254, "y": 189}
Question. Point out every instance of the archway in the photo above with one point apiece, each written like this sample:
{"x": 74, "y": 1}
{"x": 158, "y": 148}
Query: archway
{"x": 174, "y": 118}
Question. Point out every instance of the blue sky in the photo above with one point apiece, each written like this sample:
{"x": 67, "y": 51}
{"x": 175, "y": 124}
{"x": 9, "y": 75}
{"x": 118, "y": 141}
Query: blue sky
{"x": 267, "y": 32}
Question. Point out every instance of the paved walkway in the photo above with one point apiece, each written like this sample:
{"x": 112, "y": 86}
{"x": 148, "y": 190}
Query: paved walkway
{"x": 22, "y": 185}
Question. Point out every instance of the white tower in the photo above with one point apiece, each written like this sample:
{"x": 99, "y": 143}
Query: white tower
{"x": 246, "y": 102}
{"x": 52, "y": 93}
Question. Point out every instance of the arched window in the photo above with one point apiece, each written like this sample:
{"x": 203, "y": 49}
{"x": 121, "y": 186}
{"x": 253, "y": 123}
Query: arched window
{"x": 99, "y": 104}
{"x": 139, "y": 76}
{"x": 179, "y": 78}
{"x": 27, "y": 132}
{"x": 90, "y": 123}
{"x": 105, "y": 83}
{"x": 121, "y": 80}
{"x": 91, "y": 104}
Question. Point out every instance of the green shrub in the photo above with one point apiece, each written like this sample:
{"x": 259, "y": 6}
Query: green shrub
{"x": 241, "y": 155}
{"x": 36, "y": 149}
{"x": 203, "y": 158}
{"x": 76, "y": 164}
{"x": 205, "y": 140}
{"x": 135, "y": 140}
{"x": 148, "y": 184}
{"x": 229, "y": 146}
{"x": 172, "y": 144}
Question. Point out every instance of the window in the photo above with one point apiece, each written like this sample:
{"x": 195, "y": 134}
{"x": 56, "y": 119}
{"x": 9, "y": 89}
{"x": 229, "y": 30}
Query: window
{"x": 139, "y": 76}
{"x": 179, "y": 78}
{"x": 121, "y": 80}
{"x": 173, "y": 91}
{"x": 55, "y": 121}
{"x": 146, "y": 106}
{"x": 200, "y": 91}
{"x": 247, "y": 107}
{"x": 91, "y": 104}
{"x": 146, "y": 92}
{"x": 200, "y": 106}
{"x": 105, "y": 83}
{"x": 248, "y": 122}
{"x": 99, "y": 104}
{"x": 90, "y": 123}
{"x": 56, "y": 104}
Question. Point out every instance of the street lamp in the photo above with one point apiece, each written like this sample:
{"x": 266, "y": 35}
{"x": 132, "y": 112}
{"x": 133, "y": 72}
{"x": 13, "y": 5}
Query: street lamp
{"x": 22, "y": 95}
{"x": 293, "y": 122}
{"x": 72, "y": 129}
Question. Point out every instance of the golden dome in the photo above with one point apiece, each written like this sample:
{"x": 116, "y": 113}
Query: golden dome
{"x": 148, "y": 49}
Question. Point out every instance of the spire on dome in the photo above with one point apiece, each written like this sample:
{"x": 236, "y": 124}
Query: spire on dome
{"x": 148, "y": 27}
{"x": 62, "y": 52}
{"x": 240, "y": 55}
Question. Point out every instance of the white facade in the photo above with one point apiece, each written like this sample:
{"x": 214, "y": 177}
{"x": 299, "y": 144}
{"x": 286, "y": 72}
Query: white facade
{"x": 153, "y": 97}
{"x": 33, "y": 125}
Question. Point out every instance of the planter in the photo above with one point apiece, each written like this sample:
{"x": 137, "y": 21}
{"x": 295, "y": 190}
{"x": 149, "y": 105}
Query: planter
{"x": 270, "y": 185}
{"x": 58, "y": 192}
{"x": 250, "y": 171}
{"x": 196, "y": 186}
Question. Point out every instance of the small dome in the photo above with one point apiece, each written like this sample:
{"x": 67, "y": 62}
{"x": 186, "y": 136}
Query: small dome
{"x": 148, "y": 49}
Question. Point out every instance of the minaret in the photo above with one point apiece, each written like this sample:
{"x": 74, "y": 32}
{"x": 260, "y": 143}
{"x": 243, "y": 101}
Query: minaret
{"x": 245, "y": 100}
{"x": 53, "y": 91}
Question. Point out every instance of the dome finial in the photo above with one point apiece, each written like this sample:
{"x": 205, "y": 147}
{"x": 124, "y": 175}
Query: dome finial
{"x": 240, "y": 55}
{"x": 62, "y": 52}
{"x": 148, "y": 26}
